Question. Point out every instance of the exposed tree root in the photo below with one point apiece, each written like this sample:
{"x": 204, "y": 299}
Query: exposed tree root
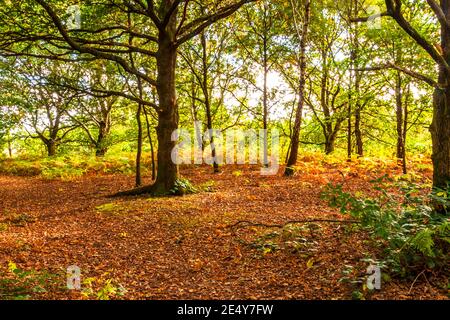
{"x": 145, "y": 190}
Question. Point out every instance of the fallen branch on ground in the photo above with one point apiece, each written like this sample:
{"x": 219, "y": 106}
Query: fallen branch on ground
{"x": 280, "y": 226}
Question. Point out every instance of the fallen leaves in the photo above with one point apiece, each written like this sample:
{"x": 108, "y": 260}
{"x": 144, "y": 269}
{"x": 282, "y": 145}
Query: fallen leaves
{"x": 183, "y": 248}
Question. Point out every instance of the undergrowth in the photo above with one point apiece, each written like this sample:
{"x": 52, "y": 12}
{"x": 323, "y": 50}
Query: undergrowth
{"x": 410, "y": 234}
{"x": 68, "y": 167}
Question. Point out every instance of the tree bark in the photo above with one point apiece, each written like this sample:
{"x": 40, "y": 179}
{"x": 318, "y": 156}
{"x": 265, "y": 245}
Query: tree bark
{"x": 167, "y": 173}
{"x": 440, "y": 128}
{"x": 206, "y": 95}
{"x": 399, "y": 116}
{"x": 100, "y": 145}
{"x": 9, "y": 144}
{"x": 329, "y": 145}
{"x": 358, "y": 133}
{"x": 139, "y": 148}
{"x": 51, "y": 146}
{"x": 265, "y": 92}
{"x": 150, "y": 140}
{"x": 293, "y": 153}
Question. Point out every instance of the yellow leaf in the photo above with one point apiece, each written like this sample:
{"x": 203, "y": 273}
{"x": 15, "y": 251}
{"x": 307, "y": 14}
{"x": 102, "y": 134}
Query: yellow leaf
{"x": 12, "y": 266}
{"x": 310, "y": 263}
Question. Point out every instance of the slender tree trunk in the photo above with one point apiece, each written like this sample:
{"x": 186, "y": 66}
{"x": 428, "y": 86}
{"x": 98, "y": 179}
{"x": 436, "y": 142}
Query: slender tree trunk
{"x": 358, "y": 107}
{"x": 358, "y": 133}
{"x": 295, "y": 141}
{"x": 152, "y": 151}
{"x": 405, "y": 130}
{"x": 198, "y": 128}
{"x": 399, "y": 115}
{"x": 265, "y": 95}
{"x": 9, "y": 145}
{"x": 139, "y": 148}
{"x": 205, "y": 88}
{"x": 349, "y": 130}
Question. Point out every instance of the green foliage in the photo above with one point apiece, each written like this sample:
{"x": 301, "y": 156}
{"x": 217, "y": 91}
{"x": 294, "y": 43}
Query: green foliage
{"x": 412, "y": 235}
{"x": 20, "y": 284}
{"x": 102, "y": 288}
{"x": 110, "y": 208}
{"x": 295, "y": 239}
{"x": 68, "y": 167}
{"x": 208, "y": 186}
{"x": 182, "y": 187}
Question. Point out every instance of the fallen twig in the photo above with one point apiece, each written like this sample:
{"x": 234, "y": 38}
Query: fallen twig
{"x": 415, "y": 280}
{"x": 280, "y": 226}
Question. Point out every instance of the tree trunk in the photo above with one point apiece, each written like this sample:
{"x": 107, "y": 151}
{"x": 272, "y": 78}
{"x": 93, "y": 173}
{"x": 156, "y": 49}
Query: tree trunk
{"x": 293, "y": 152}
{"x": 166, "y": 59}
{"x": 358, "y": 108}
{"x": 440, "y": 128}
{"x": 405, "y": 129}
{"x": 329, "y": 145}
{"x": 265, "y": 93}
{"x": 152, "y": 151}
{"x": 100, "y": 146}
{"x": 9, "y": 144}
{"x": 51, "y": 147}
{"x": 205, "y": 89}
{"x": 139, "y": 149}
{"x": 167, "y": 173}
{"x": 440, "y": 132}
{"x": 358, "y": 133}
{"x": 399, "y": 116}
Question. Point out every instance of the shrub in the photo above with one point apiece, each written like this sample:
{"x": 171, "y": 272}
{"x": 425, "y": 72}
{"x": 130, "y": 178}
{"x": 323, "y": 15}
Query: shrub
{"x": 412, "y": 235}
{"x": 182, "y": 187}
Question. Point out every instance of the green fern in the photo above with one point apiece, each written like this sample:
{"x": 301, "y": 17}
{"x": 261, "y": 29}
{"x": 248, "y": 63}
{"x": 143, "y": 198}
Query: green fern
{"x": 423, "y": 242}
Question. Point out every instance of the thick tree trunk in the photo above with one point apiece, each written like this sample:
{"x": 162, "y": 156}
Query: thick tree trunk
{"x": 329, "y": 145}
{"x": 100, "y": 145}
{"x": 440, "y": 132}
{"x": 167, "y": 173}
{"x": 166, "y": 60}
{"x": 51, "y": 147}
{"x": 440, "y": 128}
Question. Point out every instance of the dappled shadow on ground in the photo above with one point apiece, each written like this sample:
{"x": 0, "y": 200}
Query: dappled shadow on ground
{"x": 183, "y": 247}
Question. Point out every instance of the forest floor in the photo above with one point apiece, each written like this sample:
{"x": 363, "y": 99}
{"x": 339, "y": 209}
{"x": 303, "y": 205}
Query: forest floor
{"x": 184, "y": 247}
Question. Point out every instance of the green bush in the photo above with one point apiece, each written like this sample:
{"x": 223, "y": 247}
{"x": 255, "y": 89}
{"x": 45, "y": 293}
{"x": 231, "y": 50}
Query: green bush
{"x": 20, "y": 284}
{"x": 182, "y": 187}
{"x": 407, "y": 229}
